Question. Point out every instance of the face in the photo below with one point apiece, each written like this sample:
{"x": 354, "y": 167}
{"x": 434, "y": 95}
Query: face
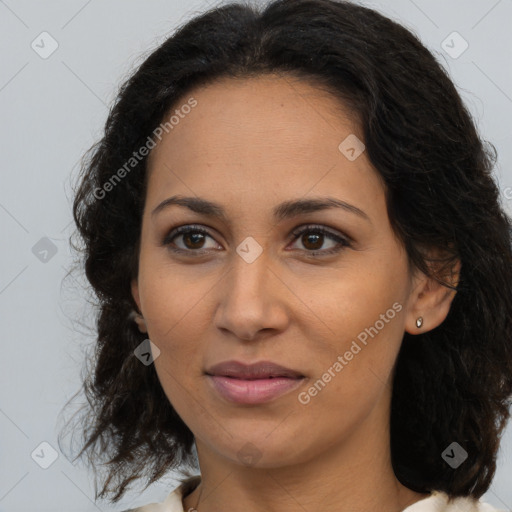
{"x": 323, "y": 291}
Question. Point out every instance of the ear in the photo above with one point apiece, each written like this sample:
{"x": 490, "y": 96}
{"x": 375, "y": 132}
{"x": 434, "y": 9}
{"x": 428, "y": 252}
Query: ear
{"x": 430, "y": 300}
{"x": 136, "y": 315}
{"x": 135, "y": 291}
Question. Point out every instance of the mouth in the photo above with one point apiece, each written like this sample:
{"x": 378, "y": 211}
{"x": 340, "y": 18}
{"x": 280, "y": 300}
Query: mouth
{"x": 252, "y": 384}
{"x": 253, "y": 391}
{"x": 260, "y": 370}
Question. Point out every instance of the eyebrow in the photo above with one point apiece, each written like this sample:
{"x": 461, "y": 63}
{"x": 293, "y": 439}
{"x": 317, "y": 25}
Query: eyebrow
{"x": 282, "y": 211}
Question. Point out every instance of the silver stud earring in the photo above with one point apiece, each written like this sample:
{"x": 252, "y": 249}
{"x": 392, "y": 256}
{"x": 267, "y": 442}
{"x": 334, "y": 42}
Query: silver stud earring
{"x": 419, "y": 322}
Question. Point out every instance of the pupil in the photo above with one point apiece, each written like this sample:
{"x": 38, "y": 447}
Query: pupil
{"x": 317, "y": 237}
{"x": 196, "y": 237}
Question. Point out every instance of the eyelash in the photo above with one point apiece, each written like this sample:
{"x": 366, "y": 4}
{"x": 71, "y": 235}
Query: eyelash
{"x": 342, "y": 241}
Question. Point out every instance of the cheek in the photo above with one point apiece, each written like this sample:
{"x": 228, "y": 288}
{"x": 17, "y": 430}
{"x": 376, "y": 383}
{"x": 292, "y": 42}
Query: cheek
{"x": 351, "y": 301}
{"x": 353, "y": 373}
{"x": 177, "y": 321}
{"x": 361, "y": 321}
{"x": 173, "y": 296}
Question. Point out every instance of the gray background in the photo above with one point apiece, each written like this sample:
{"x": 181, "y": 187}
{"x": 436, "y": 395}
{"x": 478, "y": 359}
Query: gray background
{"x": 51, "y": 111}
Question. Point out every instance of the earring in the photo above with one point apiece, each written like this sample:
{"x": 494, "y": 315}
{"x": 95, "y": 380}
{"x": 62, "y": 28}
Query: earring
{"x": 419, "y": 322}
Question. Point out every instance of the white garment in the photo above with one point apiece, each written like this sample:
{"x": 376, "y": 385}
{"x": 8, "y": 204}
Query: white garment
{"x": 436, "y": 502}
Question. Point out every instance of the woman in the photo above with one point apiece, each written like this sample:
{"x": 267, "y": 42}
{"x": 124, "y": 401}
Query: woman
{"x": 303, "y": 271}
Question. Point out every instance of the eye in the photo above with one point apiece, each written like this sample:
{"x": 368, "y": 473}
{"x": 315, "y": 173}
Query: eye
{"x": 312, "y": 238}
{"x": 192, "y": 236}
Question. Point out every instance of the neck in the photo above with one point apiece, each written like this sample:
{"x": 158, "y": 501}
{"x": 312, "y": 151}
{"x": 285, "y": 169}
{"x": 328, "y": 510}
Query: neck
{"x": 354, "y": 477}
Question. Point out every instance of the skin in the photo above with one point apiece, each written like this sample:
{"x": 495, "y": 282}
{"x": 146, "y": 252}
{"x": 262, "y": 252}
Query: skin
{"x": 250, "y": 144}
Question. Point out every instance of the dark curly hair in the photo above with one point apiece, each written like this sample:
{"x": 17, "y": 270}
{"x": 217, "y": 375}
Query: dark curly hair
{"x": 452, "y": 383}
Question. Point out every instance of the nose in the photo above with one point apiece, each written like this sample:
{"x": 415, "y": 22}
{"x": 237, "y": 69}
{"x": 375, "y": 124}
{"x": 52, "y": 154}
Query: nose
{"x": 252, "y": 299}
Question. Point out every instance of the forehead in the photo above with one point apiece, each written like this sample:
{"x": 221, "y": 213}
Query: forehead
{"x": 253, "y": 111}
{"x": 266, "y": 134}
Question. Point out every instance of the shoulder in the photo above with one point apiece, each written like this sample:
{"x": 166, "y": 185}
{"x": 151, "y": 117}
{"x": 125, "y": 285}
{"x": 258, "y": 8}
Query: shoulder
{"x": 173, "y": 502}
{"x": 437, "y": 502}
{"x": 440, "y": 502}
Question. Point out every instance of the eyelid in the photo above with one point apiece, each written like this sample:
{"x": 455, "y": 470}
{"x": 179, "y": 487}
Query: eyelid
{"x": 184, "y": 229}
{"x": 342, "y": 239}
{"x": 323, "y": 229}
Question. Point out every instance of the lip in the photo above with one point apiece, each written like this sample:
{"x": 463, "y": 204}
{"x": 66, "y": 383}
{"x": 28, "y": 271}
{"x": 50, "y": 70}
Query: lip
{"x": 259, "y": 370}
{"x": 255, "y": 391}
{"x": 254, "y": 383}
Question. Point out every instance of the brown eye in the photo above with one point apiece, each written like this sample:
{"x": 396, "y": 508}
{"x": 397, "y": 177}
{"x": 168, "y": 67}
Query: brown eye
{"x": 193, "y": 239}
{"x": 313, "y": 238}
{"x": 312, "y": 241}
